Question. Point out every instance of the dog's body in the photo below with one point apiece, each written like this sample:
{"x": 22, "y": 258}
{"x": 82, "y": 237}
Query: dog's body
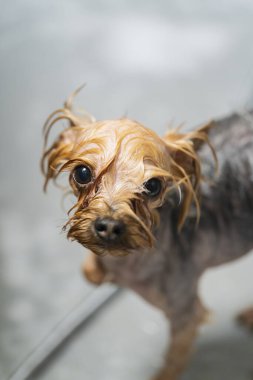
{"x": 166, "y": 272}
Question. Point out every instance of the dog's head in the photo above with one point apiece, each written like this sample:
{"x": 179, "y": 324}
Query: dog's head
{"x": 121, "y": 174}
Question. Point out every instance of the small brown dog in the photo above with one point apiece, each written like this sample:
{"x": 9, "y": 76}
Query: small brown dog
{"x": 148, "y": 212}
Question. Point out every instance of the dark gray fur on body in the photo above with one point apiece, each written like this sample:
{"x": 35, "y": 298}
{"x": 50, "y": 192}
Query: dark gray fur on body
{"x": 168, "y": 275}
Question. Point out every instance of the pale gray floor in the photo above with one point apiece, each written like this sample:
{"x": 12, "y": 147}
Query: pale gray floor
{"x": 158, "y": 61}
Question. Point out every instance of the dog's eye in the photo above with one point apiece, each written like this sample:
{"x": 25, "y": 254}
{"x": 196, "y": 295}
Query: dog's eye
{"x": 82, "y": 175}
{"x": 153, "y": 187}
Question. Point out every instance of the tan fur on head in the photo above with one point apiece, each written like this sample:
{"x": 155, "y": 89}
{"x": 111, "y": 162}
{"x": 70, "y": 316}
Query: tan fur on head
{"x": 122, "y": 156}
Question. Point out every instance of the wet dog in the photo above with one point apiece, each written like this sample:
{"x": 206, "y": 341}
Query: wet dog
{"x": 154, "y": 212}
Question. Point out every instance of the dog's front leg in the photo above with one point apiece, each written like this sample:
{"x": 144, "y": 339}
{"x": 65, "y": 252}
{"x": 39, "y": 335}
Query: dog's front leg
{"x": 184, "y": 328}
{"x": 94, "y": 270}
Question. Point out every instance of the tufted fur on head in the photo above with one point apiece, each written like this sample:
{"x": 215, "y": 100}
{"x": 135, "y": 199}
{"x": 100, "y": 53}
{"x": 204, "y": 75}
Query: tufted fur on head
{"x": 122, "y": 155}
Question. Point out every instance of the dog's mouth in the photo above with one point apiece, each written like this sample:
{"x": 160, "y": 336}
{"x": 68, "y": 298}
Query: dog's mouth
{"x": 106, "y": 248}
{"x": 102, "y": 248}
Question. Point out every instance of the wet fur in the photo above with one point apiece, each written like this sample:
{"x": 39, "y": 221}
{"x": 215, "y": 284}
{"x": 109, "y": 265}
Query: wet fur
{"x": 168, "y": 250}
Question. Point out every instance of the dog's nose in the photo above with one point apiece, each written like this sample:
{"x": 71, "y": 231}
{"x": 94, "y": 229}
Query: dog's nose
{"x": 109, "y": 229}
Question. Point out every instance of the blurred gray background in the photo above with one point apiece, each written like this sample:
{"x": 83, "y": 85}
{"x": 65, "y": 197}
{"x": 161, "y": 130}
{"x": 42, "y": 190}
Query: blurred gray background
{"x": 159, "y": 62}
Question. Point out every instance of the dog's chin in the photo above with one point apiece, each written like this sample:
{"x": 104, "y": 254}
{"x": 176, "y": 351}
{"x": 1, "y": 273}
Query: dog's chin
{"x": 116, "y": 252}
{"x": 104, "y": 250}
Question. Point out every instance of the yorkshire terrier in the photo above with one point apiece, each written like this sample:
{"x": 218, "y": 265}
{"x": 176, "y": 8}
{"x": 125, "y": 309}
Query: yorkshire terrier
{"x": 154, "y": 212}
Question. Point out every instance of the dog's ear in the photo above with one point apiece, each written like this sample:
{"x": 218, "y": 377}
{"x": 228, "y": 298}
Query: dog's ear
{"x": 185, "y": 163}
{"x": 61, "y": 150}
{"x": 202, "y": 136}
{"x": 184, "y": 147}
{"x": 57, "y": 154}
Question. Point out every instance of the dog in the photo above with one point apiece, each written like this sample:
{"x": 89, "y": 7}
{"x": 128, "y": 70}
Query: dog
{"x": 156, "y": 212}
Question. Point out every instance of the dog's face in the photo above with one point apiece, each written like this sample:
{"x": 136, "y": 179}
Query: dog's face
{"x": 120, "y": 173}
